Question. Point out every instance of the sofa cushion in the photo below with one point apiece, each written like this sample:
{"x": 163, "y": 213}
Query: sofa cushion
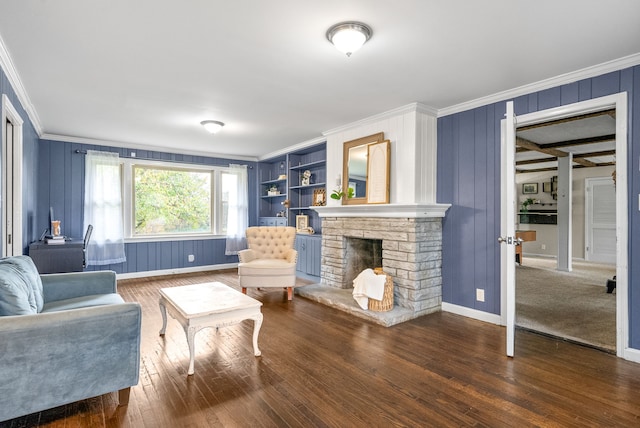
{"x": 20, "y": 287}
{"x": 82, "y": 302}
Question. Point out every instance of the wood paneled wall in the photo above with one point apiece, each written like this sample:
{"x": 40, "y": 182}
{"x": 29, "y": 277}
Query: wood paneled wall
{"x": 60, "y": 175}
{"x": 29, "y": 164}
{"x": 469, "y": 179}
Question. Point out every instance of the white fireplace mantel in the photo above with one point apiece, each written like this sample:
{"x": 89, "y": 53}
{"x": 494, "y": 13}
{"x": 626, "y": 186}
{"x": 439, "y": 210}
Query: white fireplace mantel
{"x": 384, "y": 210}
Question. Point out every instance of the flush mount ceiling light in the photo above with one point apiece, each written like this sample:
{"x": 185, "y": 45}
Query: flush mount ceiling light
{"x": 212, "y": 126}
{"x": 349, "y": 36}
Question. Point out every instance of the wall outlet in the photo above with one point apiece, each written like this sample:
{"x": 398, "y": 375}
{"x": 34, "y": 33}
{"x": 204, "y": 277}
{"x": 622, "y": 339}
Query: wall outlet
{"x": 543, "y": 247}
{"x": 191, "y": 258}
{"x": 480, "y": 294}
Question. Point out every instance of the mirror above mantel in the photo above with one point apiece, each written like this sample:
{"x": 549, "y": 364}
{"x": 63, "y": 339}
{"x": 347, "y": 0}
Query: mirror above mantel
{"x": 356, "y": 169}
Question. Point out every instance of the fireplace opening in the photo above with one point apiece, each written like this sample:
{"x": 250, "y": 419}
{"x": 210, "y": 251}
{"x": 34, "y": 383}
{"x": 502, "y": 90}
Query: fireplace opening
{"x": 360, "y": 254}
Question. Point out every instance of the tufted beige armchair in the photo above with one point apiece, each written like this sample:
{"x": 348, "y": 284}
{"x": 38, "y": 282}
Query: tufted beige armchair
{"x": 270, "y": 260}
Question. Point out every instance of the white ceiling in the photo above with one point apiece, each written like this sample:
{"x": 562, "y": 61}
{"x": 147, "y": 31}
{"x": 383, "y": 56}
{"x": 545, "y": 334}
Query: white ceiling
{"x": 146, "y": 72}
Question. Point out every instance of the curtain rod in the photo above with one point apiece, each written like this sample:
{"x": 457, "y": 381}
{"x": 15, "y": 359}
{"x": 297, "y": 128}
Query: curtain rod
{"x": 84, "y": 152}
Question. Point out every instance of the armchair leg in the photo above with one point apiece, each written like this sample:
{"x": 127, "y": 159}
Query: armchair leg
{"x": 244, "y": 290}
{"x": 289, "y": 293}
{"x": 123, "y": 396}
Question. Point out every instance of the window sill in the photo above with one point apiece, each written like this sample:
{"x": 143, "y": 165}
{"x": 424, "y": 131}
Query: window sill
{"x": 171, "y": 238}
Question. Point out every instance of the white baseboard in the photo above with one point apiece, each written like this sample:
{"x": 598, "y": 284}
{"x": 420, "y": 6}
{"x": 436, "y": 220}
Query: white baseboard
{"x": 471, "y": 313}
{"x": 149, "y": 273}
{"x": 632, "y": 354}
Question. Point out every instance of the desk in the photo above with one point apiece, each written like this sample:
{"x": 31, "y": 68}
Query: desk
{"x": 67, "y": 257}
{"x": 525, "y": 235}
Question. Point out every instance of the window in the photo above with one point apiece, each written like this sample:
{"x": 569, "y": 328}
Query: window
{"x": 169, "y": 201}
{"x": 175, "y": 201}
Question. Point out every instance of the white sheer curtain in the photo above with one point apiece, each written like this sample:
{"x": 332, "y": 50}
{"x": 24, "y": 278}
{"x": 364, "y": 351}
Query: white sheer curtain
{"x": 235, "y": 183}
{"x": 103, "y": 208}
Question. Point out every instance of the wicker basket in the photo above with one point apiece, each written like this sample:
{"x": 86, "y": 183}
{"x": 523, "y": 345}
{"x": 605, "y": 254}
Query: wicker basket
{"x": 386, "y": 304}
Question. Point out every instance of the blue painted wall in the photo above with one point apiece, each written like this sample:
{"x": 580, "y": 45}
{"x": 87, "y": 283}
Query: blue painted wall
{"x": 469, "y": 179}
{"x": 29, "y": 165}
{"x": 61, "y": 186}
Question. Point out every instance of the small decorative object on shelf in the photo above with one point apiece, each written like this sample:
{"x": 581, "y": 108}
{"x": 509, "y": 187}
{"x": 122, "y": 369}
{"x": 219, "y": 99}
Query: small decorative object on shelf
{"x": 282, "y": 177}
{"x": 302, "y": 223}
{"x": 286, "y": 203}
{"x": 319, "y": 197}
{"x": 273, "y": 190}
{"x": 306, "y": 178}
{"x": 307, "y": 231}
{"x": 55, "y": 225}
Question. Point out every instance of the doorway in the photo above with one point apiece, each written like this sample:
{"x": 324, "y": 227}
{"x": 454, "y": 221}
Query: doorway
{"x": 616, "y": 104}
{"x": 11, "y": 177}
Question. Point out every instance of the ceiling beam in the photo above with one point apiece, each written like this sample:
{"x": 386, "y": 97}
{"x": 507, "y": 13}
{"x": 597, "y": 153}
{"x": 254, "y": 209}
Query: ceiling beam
{"x": 538, "y": 160}
{"x": 522, "y": 171}
{"x": 521, "y": 142}
{"x": 581, "y": 141}
{"x": 594, "y": 154}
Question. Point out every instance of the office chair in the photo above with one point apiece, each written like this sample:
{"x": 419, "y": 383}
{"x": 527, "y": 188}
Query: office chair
{"x": 87, "y": 237}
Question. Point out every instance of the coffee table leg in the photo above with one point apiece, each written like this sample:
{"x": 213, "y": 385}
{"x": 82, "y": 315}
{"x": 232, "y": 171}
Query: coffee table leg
{"x": 191, "y": 337}
{"x": 257, "y": 323}
{"x": 163, "y": 311}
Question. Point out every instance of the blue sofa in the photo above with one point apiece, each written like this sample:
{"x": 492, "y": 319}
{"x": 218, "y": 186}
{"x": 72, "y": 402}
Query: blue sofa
{"x": 63, "y": 338}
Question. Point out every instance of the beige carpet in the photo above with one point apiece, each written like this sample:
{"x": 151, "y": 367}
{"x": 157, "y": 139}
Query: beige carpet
{"x": 572, "y": 305}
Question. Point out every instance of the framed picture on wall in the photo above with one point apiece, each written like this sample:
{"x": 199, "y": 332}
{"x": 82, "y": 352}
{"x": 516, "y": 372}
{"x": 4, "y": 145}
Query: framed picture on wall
{"x": 529, "y": 188}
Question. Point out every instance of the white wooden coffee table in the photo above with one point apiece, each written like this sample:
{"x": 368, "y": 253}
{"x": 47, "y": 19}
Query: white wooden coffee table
{"x": 212, "y": 304}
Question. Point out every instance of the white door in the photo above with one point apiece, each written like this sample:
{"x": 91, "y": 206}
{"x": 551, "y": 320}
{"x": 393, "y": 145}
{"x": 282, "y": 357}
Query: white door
{"x": 507, "y": 230}
{"x": 11, "y": 176}
{"x": 600, "y": 220}
{"x": 507, "y": 276}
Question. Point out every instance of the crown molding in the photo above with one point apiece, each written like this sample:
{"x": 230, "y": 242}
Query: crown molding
{"x": 563, "y": 79}
{"x": 294, "y": 148}
{"x": 133, "y": 147}
{"x": 409, "y": 108}
{"x": 14, "y": 80}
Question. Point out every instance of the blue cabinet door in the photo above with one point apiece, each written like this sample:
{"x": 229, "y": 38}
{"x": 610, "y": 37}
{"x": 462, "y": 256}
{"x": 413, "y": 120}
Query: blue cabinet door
{"x": 315, "y": 256}
{"x": 309, "y": 254}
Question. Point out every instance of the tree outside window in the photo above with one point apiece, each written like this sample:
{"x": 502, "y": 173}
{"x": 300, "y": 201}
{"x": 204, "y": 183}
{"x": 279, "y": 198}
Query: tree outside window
{"x": 169, "y": 201}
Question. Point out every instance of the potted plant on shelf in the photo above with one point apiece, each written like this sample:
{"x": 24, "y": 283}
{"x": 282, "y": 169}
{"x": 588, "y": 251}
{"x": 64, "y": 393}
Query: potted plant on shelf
{"x": 339, "y": 193}
{"x": 273, "y": 190}
{"x": 526, "y": 203}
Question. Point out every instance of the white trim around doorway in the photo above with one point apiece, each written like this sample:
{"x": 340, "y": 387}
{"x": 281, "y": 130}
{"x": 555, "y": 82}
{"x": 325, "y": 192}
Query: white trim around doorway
{"x": 10, "y": 113}
{"x": 619, "y": 102}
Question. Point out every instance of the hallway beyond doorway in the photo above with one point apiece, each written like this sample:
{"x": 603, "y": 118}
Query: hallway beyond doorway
{"x": 572, "y": 305}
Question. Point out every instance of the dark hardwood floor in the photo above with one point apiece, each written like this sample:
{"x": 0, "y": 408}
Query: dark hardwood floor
{"x": 321, "y": 367}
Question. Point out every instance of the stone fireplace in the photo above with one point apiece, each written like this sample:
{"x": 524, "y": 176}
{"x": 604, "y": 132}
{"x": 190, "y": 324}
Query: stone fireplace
{"x": 410, "y": 239}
